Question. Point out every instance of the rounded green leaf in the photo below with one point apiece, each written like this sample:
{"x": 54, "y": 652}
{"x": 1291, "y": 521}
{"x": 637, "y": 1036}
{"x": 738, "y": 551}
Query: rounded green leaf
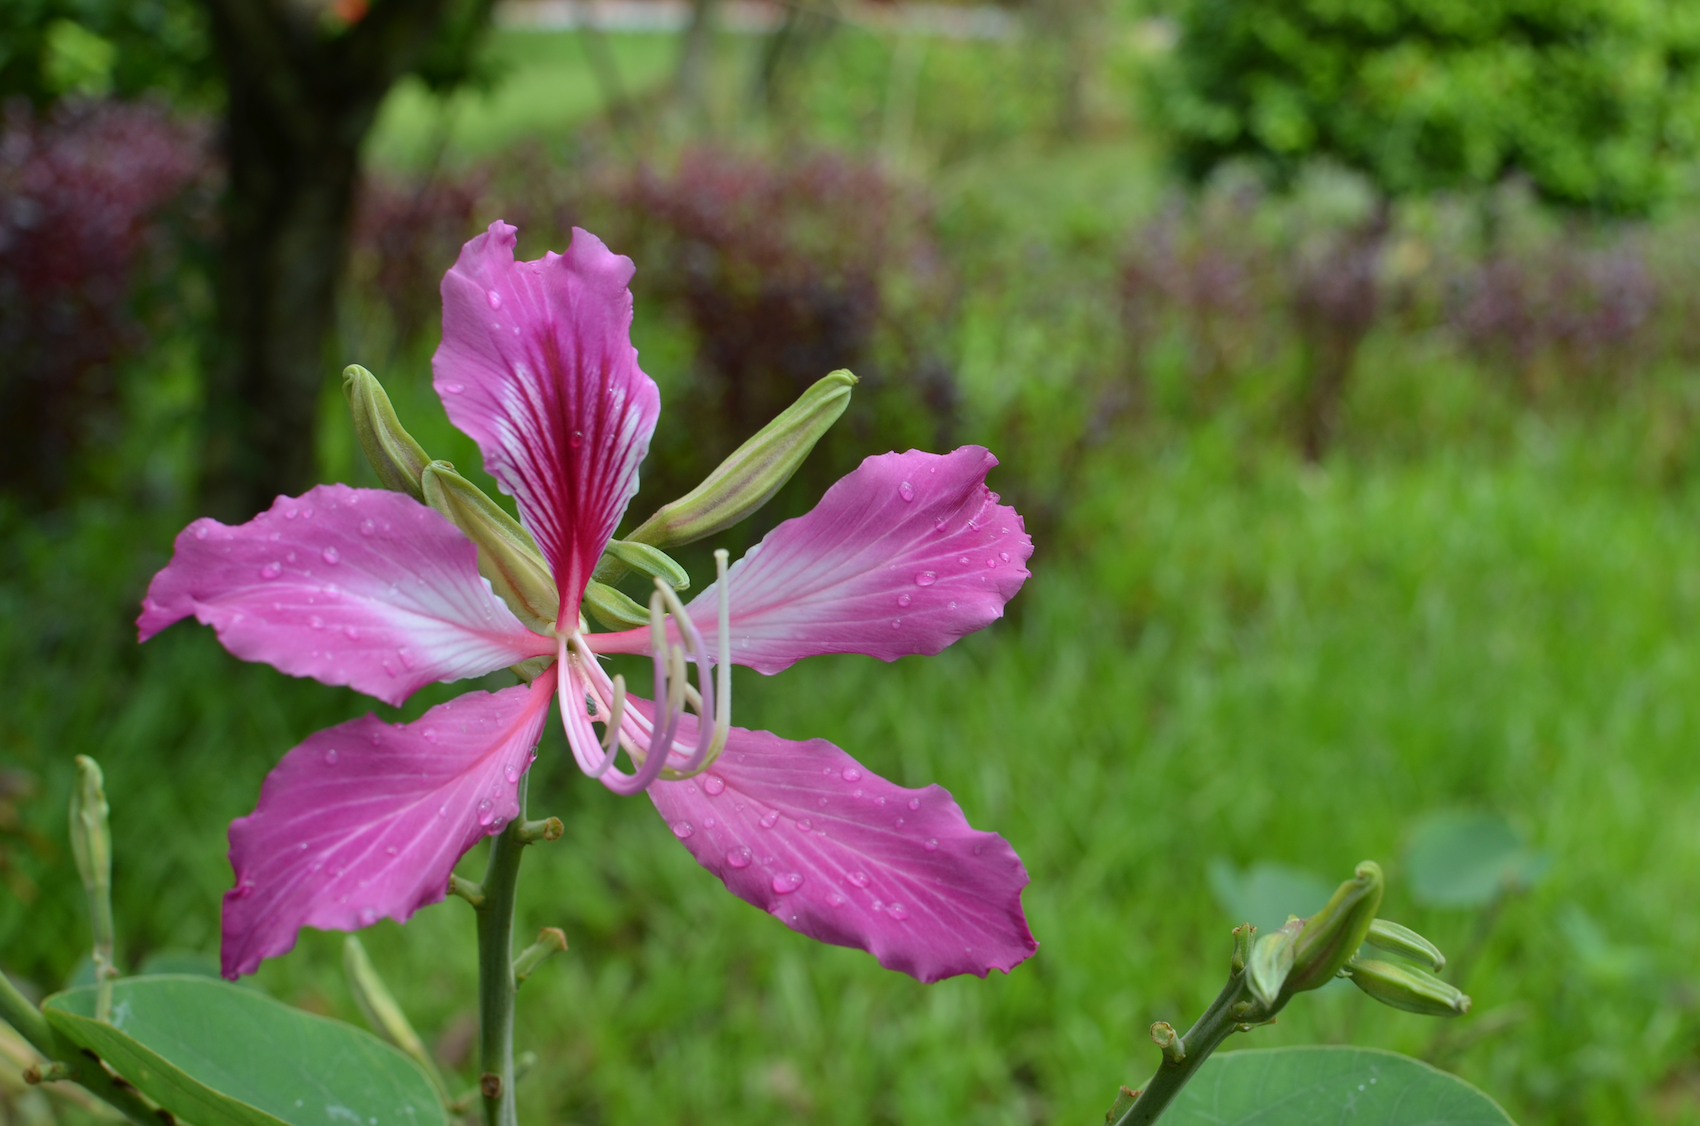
{"x": 1465, "y": 859}
{"x": 218, "y": 1055}
{"x": 1336, "y": 1085}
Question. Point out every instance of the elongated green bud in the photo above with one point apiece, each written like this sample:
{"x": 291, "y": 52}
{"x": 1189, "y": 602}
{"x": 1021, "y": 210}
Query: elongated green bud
{"x": 755, "y": 471}
{"x": 1271, "y": 962}
{"x": 1407, "y": 987}
{"x": 1331, "y": 936}
{"x": 507, "y": 555}
{"x": 1243, "y": 938}
{"x": 613, "y": 608}
{"x": 1406, "y": 943}
{"x": 91, "y": 844}
{"x": 396, "y": 458}
{"x": 378, "y": 1005}
{"x": 651, "y": 561}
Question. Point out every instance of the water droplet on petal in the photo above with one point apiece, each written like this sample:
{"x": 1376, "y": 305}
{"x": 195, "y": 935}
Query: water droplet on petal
{"x": 963, "y": 559}
{"x": 315, "y": 621}
{"x": 291, "y": 513}
{"x": 271, "y": 570}
{"x": 486, "y": 811}
{"x": 331, "y": 757}
{"x": 511, "y": 772}
{"x": 576, "y": 439}
{"x": 926, "y": 578}
{"x": 389, "y": 668}
{"x": 897, "y": 912}
{"x": 368, "y": 916}
{"x": 897, "y": 623}
{"x": 859, "y": 878}
{"x": 805, "y": 824}
{"x": 330, "y": 555}
{"x": 823, "y": 803}
{"x": 932, "y": 844}
{"x": 351, "y": 633}
{"x": 200, "y": 531}
{"x": 1004, "y": 555}
{"x": 442, "y": 811}
{"x": 739, "y": 857}
{"x": 991, "y": 563}
{"x": 682, "y": 829}
{"x": 406, "y": 656}
{"x": 769, "y": 819}
{"x": 906, "y": 491}
{"x": 367, "y": 527}
{"x": 914, "y": 803}
{"x": 904, "y": 599}
{"x": 835, "y": 900}
{"x": 901, "y": 822}
{"x": 851, "y": 774}
{"x": 787, "y": 882}
{"x": 939, "y": 524}
{"x": 454, "y": 388}
{"x": 494, "y": 298}
{"x": 714, "y": 785}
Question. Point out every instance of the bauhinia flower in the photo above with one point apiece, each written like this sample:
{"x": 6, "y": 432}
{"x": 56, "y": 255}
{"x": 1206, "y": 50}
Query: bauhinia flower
{"x": 375, "y": 590}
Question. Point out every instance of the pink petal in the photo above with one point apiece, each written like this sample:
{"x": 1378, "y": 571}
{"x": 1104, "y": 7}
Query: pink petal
{"x": 840, "y": 854}
{"x": 904, "y": 555}
{"x": 538, "y": 367}
{"x": 366, "y": 820}
{"x": 348, "y": 586}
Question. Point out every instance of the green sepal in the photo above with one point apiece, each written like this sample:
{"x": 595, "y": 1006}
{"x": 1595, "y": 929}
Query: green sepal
{"x": 1407, "y": 987}
{"x": 507, "y": 555}
{"x": 1332, "y": 936}
{"x": 396, "y": 458}
{"x": 613, "y": 608}
{"x": 1406, "y": 943}
{"x": 1271, "y": 963}
{"x": 753, "y": 473}
{"x": 651, "y": 561}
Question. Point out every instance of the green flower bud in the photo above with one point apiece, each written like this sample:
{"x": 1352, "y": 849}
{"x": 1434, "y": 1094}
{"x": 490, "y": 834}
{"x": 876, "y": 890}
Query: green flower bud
{"x": 91, "y": 844}
{"x": 1331, "y": 936}
{"x": 1408, "y": 988}
{"x": 651, "y": 561}
{"x": 507, "y": 555}
{"x": 1406, "y": 943}
{"x": 1272, "y": 962}
{"x": 613, "y": 608}
{"x": 396, "y": 458}
{"x": 755, "y": 471}
{"x": 378, "y": 1005}
{"x": 1242, "y": 947}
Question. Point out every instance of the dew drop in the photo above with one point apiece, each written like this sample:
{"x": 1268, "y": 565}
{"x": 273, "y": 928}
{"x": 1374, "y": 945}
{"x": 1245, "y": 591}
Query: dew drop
{"x": 486, "y": 811}
{"x": 901, "y": 822}
{"x": 926, "y": 578}
{"x": 805, "y": 824}
{"x": 683, "y": 829}
{"x": 897, "y": 912}
{"x": 963, "y": 559}
{"x": 787, "y": 882}
{"x": 291, "y": 513}
{"x": 769, "y": 819}
{"x": 576, "y": 439}
{"x": 906, "y": 491}
{"x": 388, "y": 668}
{"x": 430, "y": 734}
{"x": 1004, "y": 555}
{"x": 442, "y": 811}
{"x": 714, "y": 785}
{"x": 406, "y": 656}
{"x": 330, "y": 556}
{"x": 739, "y": 857}
{"x": 914, "y": 803}
{"x": 859, "y": 878}
{"x": 991, "y": 563}
{"x": 331, "y": 757}
{"x": 511, "y": 772}
{"x": 351, "y": 633}
{"x": 851, "y": 774}
{"x": 331, "y": 592}
{"x": 454, "y": 388}
{"x": 939, "y": 524}
{"x": 271, "y": 570}
{"x": 835, "y": 900}
{"x": 897, "y": 623}
{"x": 932, "y": 844}
{"x": 905, "y": 599}
{"x": 856, "y": 793}
{"x": 315, "y": 621}
{"x": 391, "y": 851}
{"x": 494, "y": 298}
{"x": 823, "y": 803}
{"x": 200, "y": 531}
{"x": 367, "y": 527}
{"x": 368, "y": 916}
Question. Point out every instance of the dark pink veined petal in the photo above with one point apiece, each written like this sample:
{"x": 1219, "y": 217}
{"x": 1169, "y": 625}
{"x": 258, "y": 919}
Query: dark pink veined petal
{"x": 348, "y": 586}
{"x": 537, "y": 365}
{"x": 365, "y": 820}
{"x": 836, "y": 852}
{"x": 904, "y": 555}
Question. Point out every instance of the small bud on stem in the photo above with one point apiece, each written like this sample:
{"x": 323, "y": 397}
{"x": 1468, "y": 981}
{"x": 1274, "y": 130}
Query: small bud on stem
{"x": 91, "y": 843}
{"x": 396, "y": 458}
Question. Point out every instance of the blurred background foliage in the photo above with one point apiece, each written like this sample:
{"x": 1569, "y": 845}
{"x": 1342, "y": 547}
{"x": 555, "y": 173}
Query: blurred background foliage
{"x": 1341, "y": 357}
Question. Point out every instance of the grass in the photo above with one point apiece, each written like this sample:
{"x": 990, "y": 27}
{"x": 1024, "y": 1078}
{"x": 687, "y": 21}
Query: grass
{"x": 1224, "y": 654}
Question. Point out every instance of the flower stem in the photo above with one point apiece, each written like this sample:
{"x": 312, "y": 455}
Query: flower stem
{"x": 28, "y": 1020}
{"x": 496, "y": 986}
{"x": 1216, "y": 1025}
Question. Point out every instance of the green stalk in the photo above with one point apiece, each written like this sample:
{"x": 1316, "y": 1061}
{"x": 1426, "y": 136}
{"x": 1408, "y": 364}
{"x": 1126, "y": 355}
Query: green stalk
{"x": 496, "y": 987}
{"x": 29, "y": 1022}
{"x": 1217, "y": 1024}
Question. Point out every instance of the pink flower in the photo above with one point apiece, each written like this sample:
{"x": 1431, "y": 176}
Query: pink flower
{"x": 373, "y": 590}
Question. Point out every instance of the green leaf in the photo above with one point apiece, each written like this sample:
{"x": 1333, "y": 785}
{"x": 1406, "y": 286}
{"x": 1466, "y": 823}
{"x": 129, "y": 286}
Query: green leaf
{"x": 217, "y": 1055}
{"x": 1465, "y": 859}
{"x": 1266, "y": 893}
{"x": 1308, "y": 1085}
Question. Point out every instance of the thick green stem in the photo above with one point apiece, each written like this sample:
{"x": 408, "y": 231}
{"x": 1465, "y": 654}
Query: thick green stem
{"x": 28, "y": 1020}
{"x": 496, "y": 971}
{"x": 1218, "y": 1023}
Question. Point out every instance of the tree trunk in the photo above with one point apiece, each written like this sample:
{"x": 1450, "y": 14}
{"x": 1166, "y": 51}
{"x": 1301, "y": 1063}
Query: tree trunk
{"x": 301, "y": 100}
